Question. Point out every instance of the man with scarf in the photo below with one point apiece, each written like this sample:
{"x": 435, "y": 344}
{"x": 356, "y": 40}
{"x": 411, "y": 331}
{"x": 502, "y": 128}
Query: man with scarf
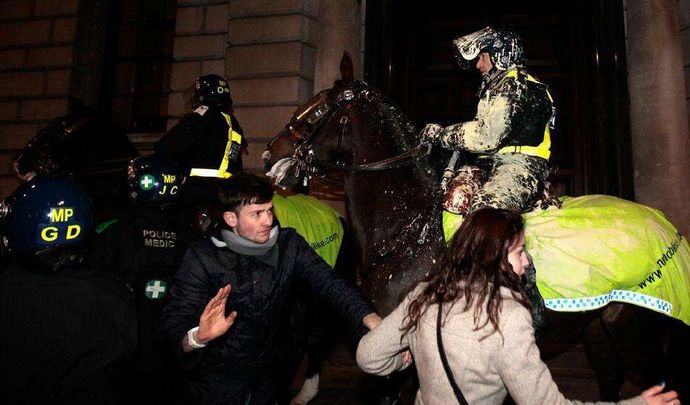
{"x": 227, "y": 320}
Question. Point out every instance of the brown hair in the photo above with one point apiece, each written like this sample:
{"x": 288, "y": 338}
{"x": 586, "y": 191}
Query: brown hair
{"x": 243, "y": 189}
{"x": 474, "y": 267}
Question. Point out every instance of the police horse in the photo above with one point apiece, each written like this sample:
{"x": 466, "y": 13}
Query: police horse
{"x": 391, "y": 196}
{"x": 84, "y": 147}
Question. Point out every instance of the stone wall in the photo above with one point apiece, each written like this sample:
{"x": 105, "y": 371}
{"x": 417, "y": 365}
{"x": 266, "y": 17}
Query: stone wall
{"x": 270, "y": 63}
{"x": 266, "y": 49}
{"x": 45, "y": 49}
{"x": 199, "y": 48}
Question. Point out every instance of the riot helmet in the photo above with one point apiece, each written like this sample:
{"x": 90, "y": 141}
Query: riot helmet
{"x": 152, "y": 179}
{"x": 45, "y": 214}
{"x": 504, "y": 47}
{"x": 212, "y": 91}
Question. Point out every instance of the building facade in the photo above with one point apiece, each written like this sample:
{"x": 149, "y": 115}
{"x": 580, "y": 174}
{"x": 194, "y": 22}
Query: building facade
{"x": 136, "y": 60}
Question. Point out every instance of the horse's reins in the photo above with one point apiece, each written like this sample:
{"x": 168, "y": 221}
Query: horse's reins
{"x": 395, "y": 162}
{"x": 398, "y": 161}
{"x": 306, "y": 160}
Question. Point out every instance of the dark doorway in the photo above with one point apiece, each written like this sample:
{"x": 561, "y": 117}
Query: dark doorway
{"x": 577, "y": 48}
{"x": 138, "y": 64}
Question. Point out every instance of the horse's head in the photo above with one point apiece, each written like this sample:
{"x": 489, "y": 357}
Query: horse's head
{"x": 85, "y": 147}
{"x": 349, "y": 127}
{"x": 318, "y": 138}
{"x": 48, "y": 151}
{"x": 389, "y": 184}
{"x": 80, "y": 142}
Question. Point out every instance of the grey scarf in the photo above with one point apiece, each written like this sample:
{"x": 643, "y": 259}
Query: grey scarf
{"x": 238, "y": 244}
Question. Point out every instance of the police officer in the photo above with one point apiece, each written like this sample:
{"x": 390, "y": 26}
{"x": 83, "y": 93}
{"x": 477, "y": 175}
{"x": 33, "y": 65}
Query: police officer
{"x": 205, "y": 143}
{"x": 145, "y": 248}
{"x": 511, "y": 134}
{"x": 511, "y": 131}
{"x": 67, "y": 331}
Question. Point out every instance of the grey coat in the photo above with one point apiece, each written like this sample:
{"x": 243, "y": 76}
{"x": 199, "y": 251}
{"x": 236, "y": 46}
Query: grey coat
{"x": 486, "y": 370}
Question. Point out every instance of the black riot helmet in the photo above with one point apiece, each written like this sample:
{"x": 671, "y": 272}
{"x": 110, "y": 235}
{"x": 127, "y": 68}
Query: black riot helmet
{"x": 152, "y": 179}
{"x": 504, "y": 47}
{"x": 212, "y": 91}
{"x": 46, "y": 214}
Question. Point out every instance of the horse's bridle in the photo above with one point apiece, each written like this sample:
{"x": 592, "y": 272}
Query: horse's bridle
{"x": 317, "y": 115}
{"x": 325, "y": 107}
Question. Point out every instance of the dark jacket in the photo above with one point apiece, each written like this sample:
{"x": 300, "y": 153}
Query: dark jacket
{"x": 198, "y": 141}
{"x": 238, "y": 365}
{"x": 66, "y": 336}
{"x": 531, "y": 108}
{"x": 512, "y": 111}
{"x": 145, "y": 249}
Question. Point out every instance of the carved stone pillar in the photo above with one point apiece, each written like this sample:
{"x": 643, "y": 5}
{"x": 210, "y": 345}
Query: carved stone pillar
{"x": 340, "y": 24}
{"x": 658, "y": 112}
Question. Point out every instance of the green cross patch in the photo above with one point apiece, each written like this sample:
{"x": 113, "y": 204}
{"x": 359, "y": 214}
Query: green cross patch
{"x": 147, "y": 182}
{"x": 155, "y": 289}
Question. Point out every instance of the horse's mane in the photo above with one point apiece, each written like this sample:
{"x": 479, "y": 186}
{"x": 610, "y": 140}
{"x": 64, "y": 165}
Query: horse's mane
{"x": 395, "y": 123}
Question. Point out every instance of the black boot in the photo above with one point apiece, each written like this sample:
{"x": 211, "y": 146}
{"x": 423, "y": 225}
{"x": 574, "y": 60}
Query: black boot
{"x": 540, "y": 317}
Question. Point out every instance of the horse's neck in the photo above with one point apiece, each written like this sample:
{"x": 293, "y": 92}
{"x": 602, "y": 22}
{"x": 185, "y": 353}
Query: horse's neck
{"x": 387, "y": 207}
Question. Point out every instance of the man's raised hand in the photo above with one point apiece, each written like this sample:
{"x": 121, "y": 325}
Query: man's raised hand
{"x": 213, "y": 322}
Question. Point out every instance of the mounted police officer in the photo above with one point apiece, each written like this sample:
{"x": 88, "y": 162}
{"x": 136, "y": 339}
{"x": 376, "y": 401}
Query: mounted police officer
{"x": 205, "y": 143}
{"x": 145, "y": 248}
{"x": 67, "y": 331}
{"x": 511, "y": 131}
{"x": 511, "y": 134}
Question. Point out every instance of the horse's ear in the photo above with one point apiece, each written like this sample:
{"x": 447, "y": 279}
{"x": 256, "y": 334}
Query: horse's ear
{"x": 346, "y": 69}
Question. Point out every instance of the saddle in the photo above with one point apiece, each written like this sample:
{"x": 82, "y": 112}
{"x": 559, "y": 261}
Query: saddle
{"x": 468, "y": 179}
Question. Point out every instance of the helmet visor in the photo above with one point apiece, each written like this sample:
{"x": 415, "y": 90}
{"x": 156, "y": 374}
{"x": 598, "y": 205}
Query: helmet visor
{"x": 468, "y": 47}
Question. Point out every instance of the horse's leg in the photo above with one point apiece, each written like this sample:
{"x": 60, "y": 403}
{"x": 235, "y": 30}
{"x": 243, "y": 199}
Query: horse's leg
{"x": 540, "y": 318}
{"x": 316, "y": 355}
{"x": 318, "y": 347}
{"x": 679, "y": 358}
{"x": 604, "y": 359}
{"x": 395, "y": 389}
{"x": 322, "y": 328}
{"x": 639, "y": 337}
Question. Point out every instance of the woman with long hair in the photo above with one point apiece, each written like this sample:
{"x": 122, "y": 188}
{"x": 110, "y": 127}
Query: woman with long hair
{"x": 477, "y": 297}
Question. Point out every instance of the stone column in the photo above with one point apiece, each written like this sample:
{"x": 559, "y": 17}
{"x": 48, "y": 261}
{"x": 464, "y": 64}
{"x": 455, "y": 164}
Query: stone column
{"x": 201, "y": 33}
{"x": 658, "y": 112}
{"x": 270, "y": 64}
{"x": 340, "y": 24}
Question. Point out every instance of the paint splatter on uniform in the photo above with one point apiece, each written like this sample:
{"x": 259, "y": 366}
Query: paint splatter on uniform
{"x": 514, "y": 111}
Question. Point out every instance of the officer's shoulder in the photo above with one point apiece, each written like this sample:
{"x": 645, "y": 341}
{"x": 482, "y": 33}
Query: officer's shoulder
{"x": 290, "y": 237}
{"x": 287, "y": 233}
{"x": 201, "y": 245}
{"x": 107, "y": 283}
